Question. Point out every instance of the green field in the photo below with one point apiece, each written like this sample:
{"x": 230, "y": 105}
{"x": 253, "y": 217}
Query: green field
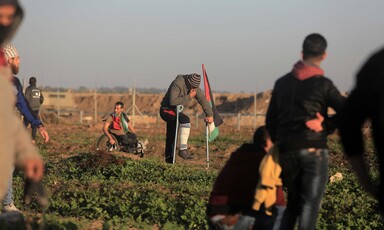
{"x": 90, "y": 190}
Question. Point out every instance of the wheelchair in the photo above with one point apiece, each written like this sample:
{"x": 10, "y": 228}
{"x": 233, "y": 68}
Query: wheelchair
{"x": 135, "y": 146}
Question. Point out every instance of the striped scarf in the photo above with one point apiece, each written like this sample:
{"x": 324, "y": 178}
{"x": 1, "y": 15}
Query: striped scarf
{"x": 123, "y": 120}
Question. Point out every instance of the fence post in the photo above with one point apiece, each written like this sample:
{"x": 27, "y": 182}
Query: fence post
{"x": 58, "y": 105}
{"x": 134, "y": 104}
{"x": 238, "y": 121}
{"x": 95, "y": 98}
{"x": 81, "y": 117}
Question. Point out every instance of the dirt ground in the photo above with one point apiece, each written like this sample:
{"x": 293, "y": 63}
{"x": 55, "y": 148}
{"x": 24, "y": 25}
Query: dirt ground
{"x": 70, "y": 140}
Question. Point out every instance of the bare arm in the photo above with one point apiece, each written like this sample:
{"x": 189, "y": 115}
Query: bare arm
{"x": 200, "y": 97}
{"x": 106, "y": 132}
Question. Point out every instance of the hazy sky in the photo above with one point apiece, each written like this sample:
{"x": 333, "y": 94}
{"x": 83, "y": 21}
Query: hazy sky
{"x": 245, "y": 44}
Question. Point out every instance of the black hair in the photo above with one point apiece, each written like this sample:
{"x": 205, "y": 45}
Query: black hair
{"x": 314, "y": 45}
{"x": 260, "y": 137}
{"x": 120, "y": 103}
{"x": 32, "y": 81}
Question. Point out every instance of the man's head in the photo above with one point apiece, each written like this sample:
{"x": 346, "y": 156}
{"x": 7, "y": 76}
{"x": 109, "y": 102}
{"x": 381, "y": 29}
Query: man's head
{"x": 314, "y": 47}
{"x": 32, "y": 81}
{"x": 119, "y": 107}
{"x": 193, "y": 80}
{"x": 11, "y": 15}
{"x": 12, "y": 56}
{"x": 262, "y": 139}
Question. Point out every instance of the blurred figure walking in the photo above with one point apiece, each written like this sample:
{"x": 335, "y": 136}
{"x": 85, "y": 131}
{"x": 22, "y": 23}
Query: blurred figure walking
{"x": 35, "y": 98}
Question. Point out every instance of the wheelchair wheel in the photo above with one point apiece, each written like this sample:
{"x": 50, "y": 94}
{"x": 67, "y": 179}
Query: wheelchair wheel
{"x": 103, "y": 143}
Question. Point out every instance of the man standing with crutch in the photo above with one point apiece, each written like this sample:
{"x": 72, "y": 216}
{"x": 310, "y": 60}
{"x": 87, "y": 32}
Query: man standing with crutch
{"x": 181, "y": 92}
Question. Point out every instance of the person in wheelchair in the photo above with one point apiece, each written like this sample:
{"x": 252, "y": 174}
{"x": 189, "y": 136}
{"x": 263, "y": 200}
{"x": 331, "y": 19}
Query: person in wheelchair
{"x": 117, "y": 125}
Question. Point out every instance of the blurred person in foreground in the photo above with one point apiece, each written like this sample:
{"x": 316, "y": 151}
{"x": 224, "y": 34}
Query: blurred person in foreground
{"x": 35, "y": 98}
{"x": 16, "y": 146}
{"x": 230, "y": 204}
{"x": 299, "y": 96}
{"x": 366, "y": 101}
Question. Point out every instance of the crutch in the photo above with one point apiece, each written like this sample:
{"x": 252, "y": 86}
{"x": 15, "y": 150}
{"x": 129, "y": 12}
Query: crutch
{"x": 179, "y": 108}
{"x": 207, "y": 142}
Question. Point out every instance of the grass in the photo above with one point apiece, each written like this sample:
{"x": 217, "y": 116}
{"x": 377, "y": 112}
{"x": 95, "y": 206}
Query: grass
{"x": 102, "y": 191}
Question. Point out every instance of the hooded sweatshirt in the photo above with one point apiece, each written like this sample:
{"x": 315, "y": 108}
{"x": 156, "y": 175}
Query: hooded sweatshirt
{"x": 296, "y": 98}
{"x": 303, "y": 70}
{"x": 178, "y": 94}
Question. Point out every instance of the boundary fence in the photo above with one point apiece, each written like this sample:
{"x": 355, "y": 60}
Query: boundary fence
{"x": 148, "y": 120}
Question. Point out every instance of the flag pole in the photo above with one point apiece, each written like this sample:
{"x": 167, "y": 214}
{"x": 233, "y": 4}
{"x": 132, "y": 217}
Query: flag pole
{"x": 206, "y": 143}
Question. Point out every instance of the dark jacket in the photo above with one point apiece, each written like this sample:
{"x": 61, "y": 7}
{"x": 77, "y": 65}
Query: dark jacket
{"x": 178, "y": 94}
{"x": 235, "y": 185}
{"x": 34, "y": 97}
{"x": 296, "y": 101}
{"x": 366, "y": 102}
{"x": 23, "y": 105}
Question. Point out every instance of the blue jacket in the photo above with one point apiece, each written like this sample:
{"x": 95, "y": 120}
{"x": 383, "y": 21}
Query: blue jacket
{"x": 22, "y": 104}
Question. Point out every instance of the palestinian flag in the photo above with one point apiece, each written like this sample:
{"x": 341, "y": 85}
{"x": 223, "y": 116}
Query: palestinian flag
{"x": 213, "y": 127}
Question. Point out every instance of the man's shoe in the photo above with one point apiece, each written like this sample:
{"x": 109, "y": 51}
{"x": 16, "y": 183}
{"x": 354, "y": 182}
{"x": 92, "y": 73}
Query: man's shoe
{"x": 184, "y": 154}
{"x": 10, "y": 208}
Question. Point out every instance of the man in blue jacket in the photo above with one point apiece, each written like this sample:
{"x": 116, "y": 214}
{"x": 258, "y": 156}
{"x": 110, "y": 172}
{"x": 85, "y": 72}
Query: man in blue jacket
{"x": 13, "y": 61}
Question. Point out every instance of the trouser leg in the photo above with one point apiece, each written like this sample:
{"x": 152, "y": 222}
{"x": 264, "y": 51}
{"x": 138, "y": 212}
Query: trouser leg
{"x": 290, "y": 174}
{"x": 185, "y": 127}
{"x": 34, "y": 129}
{"x": 8, "y": 198}
{"x": 314, "y": 179}
{"x": 169, "y": 117}
{"x": 305, "y": 176}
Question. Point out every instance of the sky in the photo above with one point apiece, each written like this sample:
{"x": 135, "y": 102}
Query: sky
{"x": 245, "y": 44}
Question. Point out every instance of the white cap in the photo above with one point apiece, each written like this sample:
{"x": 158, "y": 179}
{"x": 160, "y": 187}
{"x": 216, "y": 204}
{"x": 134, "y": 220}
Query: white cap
{"x": 10, "y": 51}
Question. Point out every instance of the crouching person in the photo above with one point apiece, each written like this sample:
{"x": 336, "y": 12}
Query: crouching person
{"x": 230, "y": 202}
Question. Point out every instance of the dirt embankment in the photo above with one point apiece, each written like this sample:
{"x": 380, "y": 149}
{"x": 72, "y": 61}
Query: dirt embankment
{"x": 150, "y": 103}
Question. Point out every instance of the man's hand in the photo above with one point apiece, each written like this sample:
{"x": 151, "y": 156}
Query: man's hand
{"x": 316, "y": 124}
{"x": 209, "y": 119}
{"x": 192, "y": 93}
{"x": 44, "y": 133}
{"x": 34, "y": 169}
{"x": 112, "y": 141}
